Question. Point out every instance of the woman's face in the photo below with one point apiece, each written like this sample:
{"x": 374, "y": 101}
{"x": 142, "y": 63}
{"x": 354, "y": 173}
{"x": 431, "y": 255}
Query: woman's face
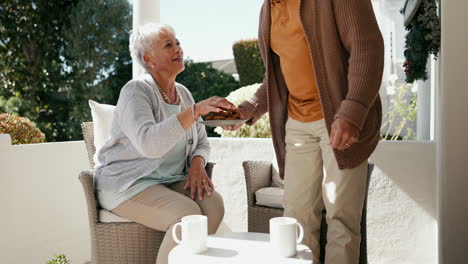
{"x": 166, "y": 54}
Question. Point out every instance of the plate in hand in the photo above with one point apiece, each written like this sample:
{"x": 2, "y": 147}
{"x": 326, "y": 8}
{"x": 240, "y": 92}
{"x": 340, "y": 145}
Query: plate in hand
{"x": 227, "y": 122}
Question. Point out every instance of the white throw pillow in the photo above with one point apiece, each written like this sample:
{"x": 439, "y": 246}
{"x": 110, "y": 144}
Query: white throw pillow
{"x": 270, "y": 196}
{"x": 276, "y": 180}
{"x": 102, "y": 120}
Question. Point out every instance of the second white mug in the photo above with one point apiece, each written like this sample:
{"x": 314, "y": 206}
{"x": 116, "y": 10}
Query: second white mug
{"x": 194, "y": 229}
{"x": 284, "y": 235}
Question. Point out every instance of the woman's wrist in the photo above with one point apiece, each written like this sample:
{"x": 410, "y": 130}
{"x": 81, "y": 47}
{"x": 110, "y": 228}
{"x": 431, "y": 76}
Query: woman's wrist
{"x": 192, "y": 108}
{"x": 198, "y": 160}
{"x": 196, "y": 111}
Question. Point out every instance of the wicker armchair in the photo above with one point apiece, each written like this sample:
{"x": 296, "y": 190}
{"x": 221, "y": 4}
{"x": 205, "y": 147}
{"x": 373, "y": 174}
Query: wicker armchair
{"x": 117, "y": 242}
{"x": 258, "y": 174}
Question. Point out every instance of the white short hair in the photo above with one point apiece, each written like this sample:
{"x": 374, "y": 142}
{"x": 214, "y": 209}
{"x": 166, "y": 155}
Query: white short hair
{"x": 141, "y": 39}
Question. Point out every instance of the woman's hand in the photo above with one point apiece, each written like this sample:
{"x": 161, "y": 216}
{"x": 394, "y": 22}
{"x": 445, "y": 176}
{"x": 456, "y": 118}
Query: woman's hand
{"x": 213, "y": 104}
{"x": 197, "y": 180}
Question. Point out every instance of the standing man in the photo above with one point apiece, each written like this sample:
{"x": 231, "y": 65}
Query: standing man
{"x": 324, "y": 63}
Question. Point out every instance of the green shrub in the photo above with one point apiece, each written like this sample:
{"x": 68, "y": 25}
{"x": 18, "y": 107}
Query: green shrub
{"x": 261, "y": 129}
{"x": 249, "y": 62}
{"x": 402, "y": 112}
{"x": 21, "y": 129}
{"x": 59, "y": 259}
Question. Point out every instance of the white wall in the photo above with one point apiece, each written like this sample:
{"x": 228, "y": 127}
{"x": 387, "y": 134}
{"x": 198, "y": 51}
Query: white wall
{"x": 44, "y": 212}
{"x": 402, "y": 225}
{"x": 43, "y": 209}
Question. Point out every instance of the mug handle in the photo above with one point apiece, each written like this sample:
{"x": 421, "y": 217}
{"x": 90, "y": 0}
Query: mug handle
{"x": 174, "y": 235}
{"x": 301, "y": 233}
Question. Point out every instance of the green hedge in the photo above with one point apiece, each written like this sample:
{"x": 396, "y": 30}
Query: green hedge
{"x": 249, "y": 62}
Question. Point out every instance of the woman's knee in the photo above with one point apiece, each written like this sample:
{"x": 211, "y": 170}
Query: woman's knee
{"x": 188, "y": 208}
{"x": 214, "y": 207}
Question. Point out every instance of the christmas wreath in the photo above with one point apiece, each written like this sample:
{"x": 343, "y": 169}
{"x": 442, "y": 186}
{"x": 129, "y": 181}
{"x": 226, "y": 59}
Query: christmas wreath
{"x": 422, "y": 40}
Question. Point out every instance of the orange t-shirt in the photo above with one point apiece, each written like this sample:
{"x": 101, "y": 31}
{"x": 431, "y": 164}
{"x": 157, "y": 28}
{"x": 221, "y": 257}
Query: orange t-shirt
{"x": 289, "y": 42}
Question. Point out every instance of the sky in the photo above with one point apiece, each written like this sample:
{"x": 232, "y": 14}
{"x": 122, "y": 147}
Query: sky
{"x": 208, "y": 28}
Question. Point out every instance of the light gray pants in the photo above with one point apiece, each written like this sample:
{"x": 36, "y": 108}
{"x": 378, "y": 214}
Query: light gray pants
{"x": 160, "y": 207}
{"x": 313, "y": 182}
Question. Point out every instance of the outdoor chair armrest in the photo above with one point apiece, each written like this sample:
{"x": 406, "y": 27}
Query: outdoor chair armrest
{"x": 209, "y": 169}
{"x": 257, "y": 175}
{"x": 86, "y": 179}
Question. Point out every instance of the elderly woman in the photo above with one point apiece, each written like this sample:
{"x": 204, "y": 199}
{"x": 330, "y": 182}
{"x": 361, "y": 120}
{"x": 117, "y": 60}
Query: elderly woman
{"x": 153, "y": 166}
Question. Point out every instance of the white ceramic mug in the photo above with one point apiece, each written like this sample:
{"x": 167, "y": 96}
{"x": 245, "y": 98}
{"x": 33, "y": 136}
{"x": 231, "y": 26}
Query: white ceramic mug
{"x": 194, "y": 229}
{"x": 284, "y": 236}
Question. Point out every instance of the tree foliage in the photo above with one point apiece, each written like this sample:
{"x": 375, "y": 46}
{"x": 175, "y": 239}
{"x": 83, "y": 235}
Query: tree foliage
{"x": 98, "y": 62}
{"x": 55, "y": 55}
{"x": 31, "y": 44}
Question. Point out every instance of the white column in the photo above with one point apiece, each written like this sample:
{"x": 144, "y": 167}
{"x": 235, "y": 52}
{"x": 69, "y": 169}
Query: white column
{"x": 144, "y": 11}
{"x": 423, "y": 122}
{"x": 435, "y": 82}
{"x": 452, "y": 135}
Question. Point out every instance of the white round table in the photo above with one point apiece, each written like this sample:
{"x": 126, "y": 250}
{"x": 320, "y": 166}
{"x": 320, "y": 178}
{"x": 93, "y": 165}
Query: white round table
{"x": 231, "y": 248}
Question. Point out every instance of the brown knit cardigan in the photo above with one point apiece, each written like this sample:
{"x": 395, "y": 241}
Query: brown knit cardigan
{"x": 347, "y": 51}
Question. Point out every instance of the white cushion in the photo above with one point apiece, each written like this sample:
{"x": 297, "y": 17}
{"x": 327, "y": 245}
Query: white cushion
{"x": 276, "y": 180}
{"x": 109, "y": 217}
{"x": 270, "y": 196}
{"x": 102, "y": 120}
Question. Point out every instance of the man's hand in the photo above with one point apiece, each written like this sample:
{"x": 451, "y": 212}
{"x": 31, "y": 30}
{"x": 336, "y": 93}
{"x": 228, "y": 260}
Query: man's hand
{"x": 244, "y": 115}
{"x": 343, "y": 134}
{"x": 197, "y": 180}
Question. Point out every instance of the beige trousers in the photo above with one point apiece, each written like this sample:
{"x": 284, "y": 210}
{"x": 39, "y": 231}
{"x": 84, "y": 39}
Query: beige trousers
{"x": 160, "y": 207}
{"x": 313, "y": 182}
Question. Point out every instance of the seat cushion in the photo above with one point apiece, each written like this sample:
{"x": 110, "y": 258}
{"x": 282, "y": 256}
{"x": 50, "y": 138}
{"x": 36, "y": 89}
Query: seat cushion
{"x": 109, "y": 217}
{"x": 270, "y": 196}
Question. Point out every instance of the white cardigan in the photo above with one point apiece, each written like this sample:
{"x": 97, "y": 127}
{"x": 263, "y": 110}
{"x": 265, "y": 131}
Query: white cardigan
{"x": 142, "y": 133}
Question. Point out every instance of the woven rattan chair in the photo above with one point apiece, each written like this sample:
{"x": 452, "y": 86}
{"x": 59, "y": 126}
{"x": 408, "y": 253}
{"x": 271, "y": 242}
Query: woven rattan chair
{"x": 117, "y": 242}
{"x": 258, "y": 174}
